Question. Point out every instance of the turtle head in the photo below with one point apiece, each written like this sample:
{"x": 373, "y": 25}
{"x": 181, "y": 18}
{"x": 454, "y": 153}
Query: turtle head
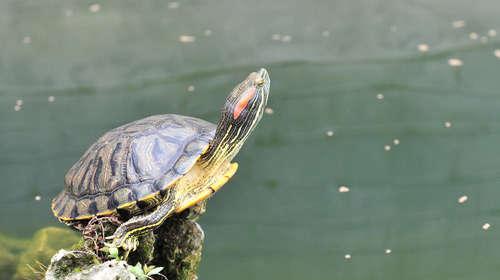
{"x": 241, "y": 113}
{"x": 246, "y": 102}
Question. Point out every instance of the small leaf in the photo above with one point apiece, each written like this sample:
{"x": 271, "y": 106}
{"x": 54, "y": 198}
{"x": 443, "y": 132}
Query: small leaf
{"x": 113, "y": 252}
{"x": 154, "y": 271}
{"x": 146, "y": 268}
{"x": 137, "y": 271}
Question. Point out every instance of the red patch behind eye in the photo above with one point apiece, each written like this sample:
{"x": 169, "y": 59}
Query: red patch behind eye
{"x": 243, "y": 102}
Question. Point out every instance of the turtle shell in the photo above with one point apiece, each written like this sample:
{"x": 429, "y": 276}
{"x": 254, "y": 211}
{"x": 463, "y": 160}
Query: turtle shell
{"x": 130, "y": 163}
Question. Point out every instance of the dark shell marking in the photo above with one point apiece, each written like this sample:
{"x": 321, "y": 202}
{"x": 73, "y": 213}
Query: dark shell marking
{"x": 130, "y": 163}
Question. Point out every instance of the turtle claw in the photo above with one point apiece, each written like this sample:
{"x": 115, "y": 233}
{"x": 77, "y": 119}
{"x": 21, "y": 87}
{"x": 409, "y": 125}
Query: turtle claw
{"x": 125, "y": 241}
{"x": 130, "y": 243}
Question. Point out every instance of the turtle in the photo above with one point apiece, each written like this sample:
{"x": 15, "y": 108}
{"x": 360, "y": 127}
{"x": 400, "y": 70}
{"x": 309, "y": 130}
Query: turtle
{"x": 153, "y": 168}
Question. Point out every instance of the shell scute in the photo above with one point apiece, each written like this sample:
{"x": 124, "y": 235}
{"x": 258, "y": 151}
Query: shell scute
{"x": 195, "y": 147}
{"x": 82, "y": 205}
{"x": 142, "y": 190}
{"x": 184, "y": 163}
{"x": 153, "y": 156}
{"x": 69, "y": 207}
{"x": 101, "y": 203}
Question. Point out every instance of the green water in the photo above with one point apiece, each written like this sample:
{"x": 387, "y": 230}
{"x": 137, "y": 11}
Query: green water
{"x": 282, "y": 216}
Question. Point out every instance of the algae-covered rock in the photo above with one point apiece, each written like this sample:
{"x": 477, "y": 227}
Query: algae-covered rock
{"x": 83, "y": 265}
{"x": 145, "y": 250}
{"x": 178, "y": 248}
{"x": 65, "y": 263}
{"x": 174, "y": 248}
{"x": 10, "y": 249}
{"x": 45, "y": 243}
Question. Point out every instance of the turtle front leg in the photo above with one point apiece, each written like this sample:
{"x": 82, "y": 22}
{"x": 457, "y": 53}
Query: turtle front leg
{"x": 123, "y": 236}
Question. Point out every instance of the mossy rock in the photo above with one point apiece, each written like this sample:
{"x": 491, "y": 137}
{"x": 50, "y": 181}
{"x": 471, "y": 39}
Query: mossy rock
{"x": 145, "y": 251}
{"x": 45, "y": 243}
{"x": 179, "y": 248}
{"x": 65, "y": 263}
{"x": 10, "y": 249}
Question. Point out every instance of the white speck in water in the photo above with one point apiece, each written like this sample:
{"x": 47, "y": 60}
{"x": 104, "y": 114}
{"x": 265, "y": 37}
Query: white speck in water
{"x": 325, "y": 33}
{"x": 387, "y": 148}
{"x": 68, "y": 13}
{"x": 380, "y": 96}
{"x": 423, "y": 48}
{"x": 486, "y": 226}
{"x": 458, "y": 24}
{"x": 455, "y": 62}
{"x": 393, "y": 28}
{"x": 484, "y": 39}
{"x": 492, "y": 33}
{"x": 17, "y": 108}
{"x": 51, "y": 98}
{"x": 497, "y": 53}
{"x": 276, "y": 37}
{"x": 94, "y": 8}
{"x": 462, "y": 199}
{"x": 347, "y": 256}
{"x": 187, "y": 39}
{"x": 19, "y": 102}
{"x": 447, "y": 124}
{"x": 388, "y": 251}
{"x": 38, "y": 197}
{"x": 190, "y": 88}
{"x": 343, "y": 189}
{"x": 269, "y": 110}
{"x": 208, "y": 32}
{"x": 173, "y": 5}
{"x": 473, "y": 36}
{"x": 329, "y": 133}
{"x": 286, "y": 38}
{"x": 27, "y": 40}
{"x": 395, "y": 141}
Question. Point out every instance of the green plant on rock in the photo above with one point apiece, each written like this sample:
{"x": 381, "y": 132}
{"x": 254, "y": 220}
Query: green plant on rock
{"x": 131, "y": 245}
{"x": 142, "y": 272}
{"x": 145, "y": 272}
{"x": 112, "y": 251}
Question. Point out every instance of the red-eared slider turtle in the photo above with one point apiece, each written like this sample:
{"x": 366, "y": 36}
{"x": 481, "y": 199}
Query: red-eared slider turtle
{"x": 160, "y": 165}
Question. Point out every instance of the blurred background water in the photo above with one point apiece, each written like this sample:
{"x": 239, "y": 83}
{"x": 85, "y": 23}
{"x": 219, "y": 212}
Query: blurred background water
{"x": 376, "y": 159}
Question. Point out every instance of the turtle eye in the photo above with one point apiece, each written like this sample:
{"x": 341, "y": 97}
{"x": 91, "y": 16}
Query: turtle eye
{"x": 259, "y": 81}
{"x": 243, "y": 101}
